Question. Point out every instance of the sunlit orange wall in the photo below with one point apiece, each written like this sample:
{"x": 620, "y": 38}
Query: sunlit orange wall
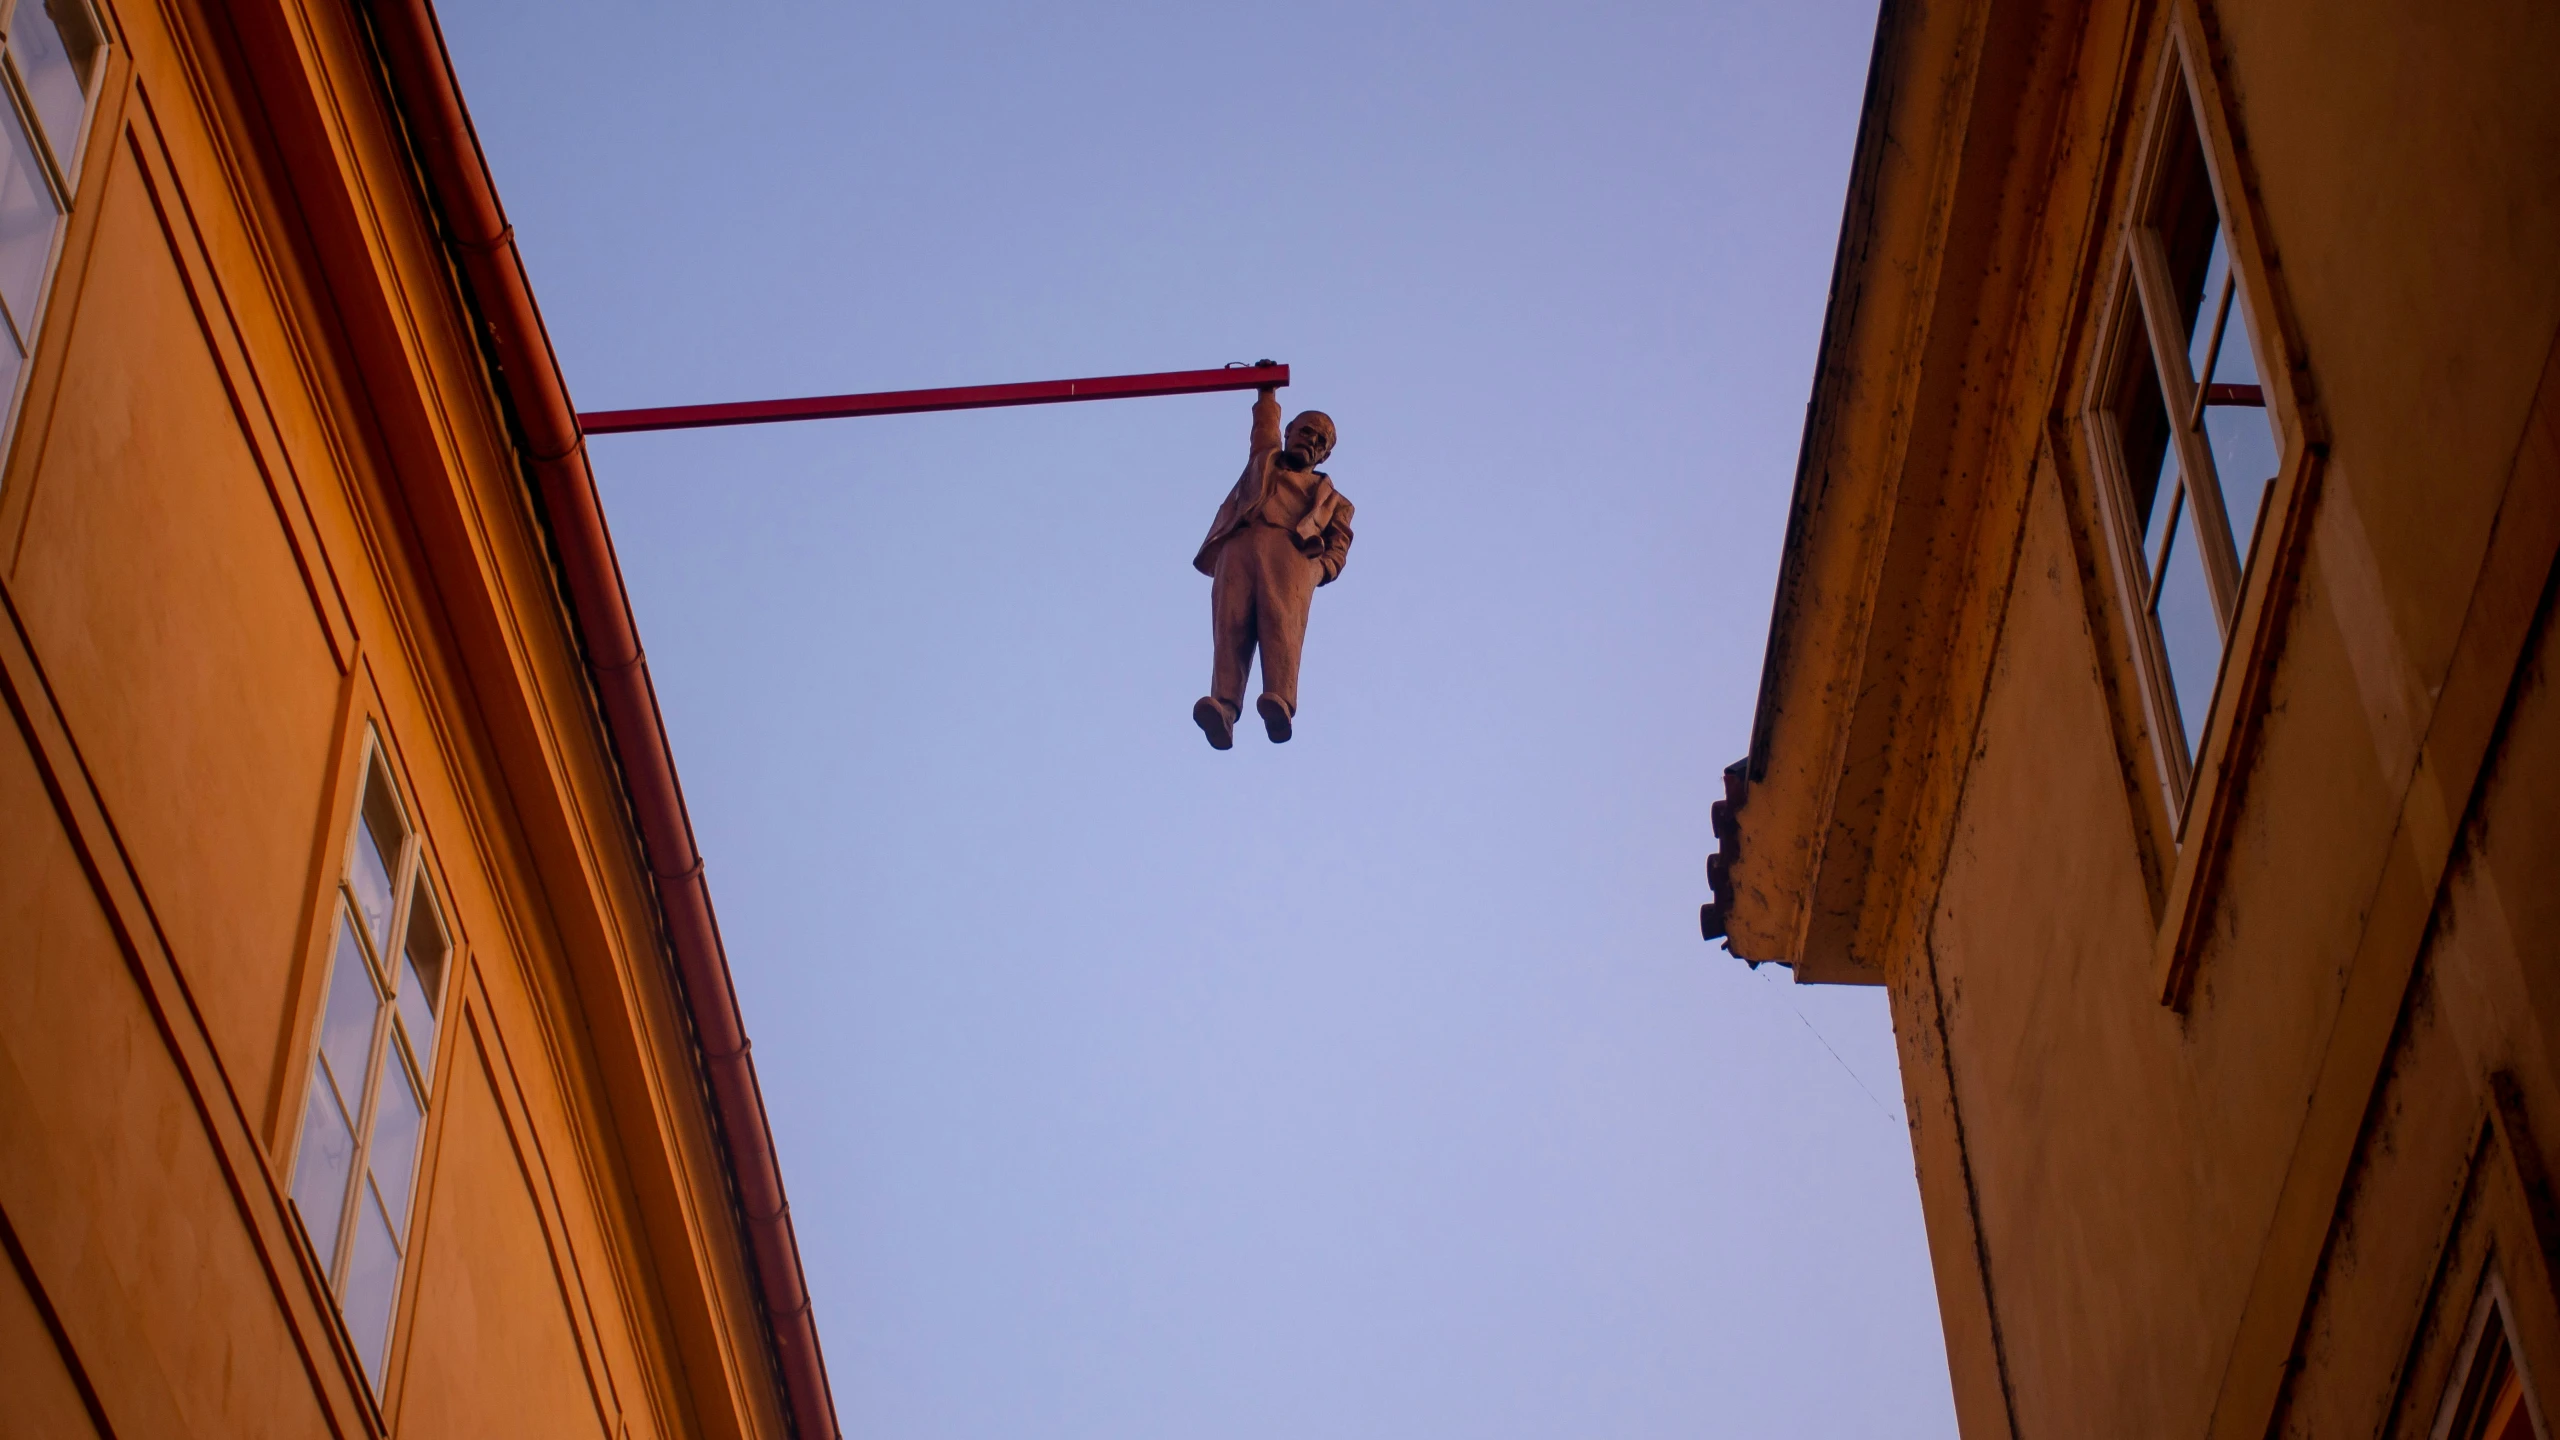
{"x": 257, "y": 499}
{"x": 2268, "y": 1210}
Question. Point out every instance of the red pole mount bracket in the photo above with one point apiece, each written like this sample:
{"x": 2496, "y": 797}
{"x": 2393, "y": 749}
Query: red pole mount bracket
{"x": 911, "y": 402}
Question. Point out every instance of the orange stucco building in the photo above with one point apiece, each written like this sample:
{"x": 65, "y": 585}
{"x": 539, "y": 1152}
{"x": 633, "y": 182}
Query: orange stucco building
{"x": 2159, "y": 703}
{"x": 368, "y": 1063}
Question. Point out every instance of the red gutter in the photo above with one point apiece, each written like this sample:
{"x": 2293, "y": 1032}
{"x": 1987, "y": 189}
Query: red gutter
{"x": 912, "y": 402}
{"x": 484, "y": 249}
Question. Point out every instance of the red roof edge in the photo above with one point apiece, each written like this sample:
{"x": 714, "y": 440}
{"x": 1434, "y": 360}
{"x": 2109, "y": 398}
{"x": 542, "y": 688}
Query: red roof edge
{"x": 484, "y": 250}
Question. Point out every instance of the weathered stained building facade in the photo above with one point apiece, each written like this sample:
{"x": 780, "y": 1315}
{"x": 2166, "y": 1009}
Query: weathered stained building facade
{"x": 368, "y": 1061}
{"x": 2159, "y": 702}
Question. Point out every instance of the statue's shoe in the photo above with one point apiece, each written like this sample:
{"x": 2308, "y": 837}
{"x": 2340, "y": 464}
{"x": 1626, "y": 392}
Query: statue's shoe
{"x": 1275, "y": 718}
{"x": 1212, "y": 719}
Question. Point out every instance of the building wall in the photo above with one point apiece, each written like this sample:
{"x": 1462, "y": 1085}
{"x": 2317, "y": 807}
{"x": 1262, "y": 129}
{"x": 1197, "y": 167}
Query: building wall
{"x": 259, "y": 502}
{"x": 2173, "y": 1208}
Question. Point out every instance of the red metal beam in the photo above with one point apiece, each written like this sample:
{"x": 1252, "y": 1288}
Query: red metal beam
{"x": 910, "y": 402}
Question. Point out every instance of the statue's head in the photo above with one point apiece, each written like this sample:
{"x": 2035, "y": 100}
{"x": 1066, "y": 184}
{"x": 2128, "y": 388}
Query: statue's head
{"x": 1310, "y": 438}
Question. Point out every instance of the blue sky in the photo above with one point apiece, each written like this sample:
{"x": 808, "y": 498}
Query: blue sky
{"x": 1374, "y": 1085}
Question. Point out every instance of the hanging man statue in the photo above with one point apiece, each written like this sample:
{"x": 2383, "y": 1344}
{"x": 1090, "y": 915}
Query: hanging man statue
{"x": 1283, "y": 531}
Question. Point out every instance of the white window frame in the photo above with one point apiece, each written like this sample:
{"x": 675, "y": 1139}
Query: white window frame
{"x": 2191, "y": 809}
{"x": 389, "y": 1043}
{"x": 60, "y": 173}
{"x": 2142, "y": 312}
{"x": 2468, "y": 1388}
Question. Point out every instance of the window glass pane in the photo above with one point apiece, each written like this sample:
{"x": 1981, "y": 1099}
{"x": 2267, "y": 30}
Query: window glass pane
{"x": 11, "y": 362}
{"x": 2142, "y": 426}
{"x": 2209, "y": 309}
{"x": 346, "y": 1028}
{"x": 56, "y": 51}
{"x": 2195, "y": 296}
{"x": 373, "y": 1277}
{"x": 320, "y": 1171}
{"x": 2244, "y": 458}
{"x": 377, "y": 851}
{"x": 393, "y": 1149}
{"x": 2164, "y": 513}
{"x": 27, "y": 213}
{"x": 2242, "y": 437}
{"x": 422, "y": 976}
{"x": 2188, "y": 220}
{"x": 371, "y": 878}
{"x": 2189, "y": 631}
{"x": 2506, "y": 1417}
{"x": 417, "y": 1021}
{"x": 2235, "y": 363}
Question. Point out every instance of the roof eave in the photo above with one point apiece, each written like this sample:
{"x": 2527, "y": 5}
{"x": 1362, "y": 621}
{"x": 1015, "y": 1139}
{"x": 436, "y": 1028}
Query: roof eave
{"x": 456, "y": 175}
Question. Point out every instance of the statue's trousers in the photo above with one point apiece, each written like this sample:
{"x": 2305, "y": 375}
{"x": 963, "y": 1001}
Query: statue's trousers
{"x": 1259, "y": 597}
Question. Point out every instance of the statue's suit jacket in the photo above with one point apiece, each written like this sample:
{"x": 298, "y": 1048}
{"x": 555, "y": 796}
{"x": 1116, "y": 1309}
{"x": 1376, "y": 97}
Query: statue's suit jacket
{"x": 1323, "y": 533}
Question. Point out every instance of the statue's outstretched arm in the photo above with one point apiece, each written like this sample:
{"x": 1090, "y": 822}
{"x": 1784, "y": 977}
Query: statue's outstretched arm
{"x": 1266, "y": 422}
